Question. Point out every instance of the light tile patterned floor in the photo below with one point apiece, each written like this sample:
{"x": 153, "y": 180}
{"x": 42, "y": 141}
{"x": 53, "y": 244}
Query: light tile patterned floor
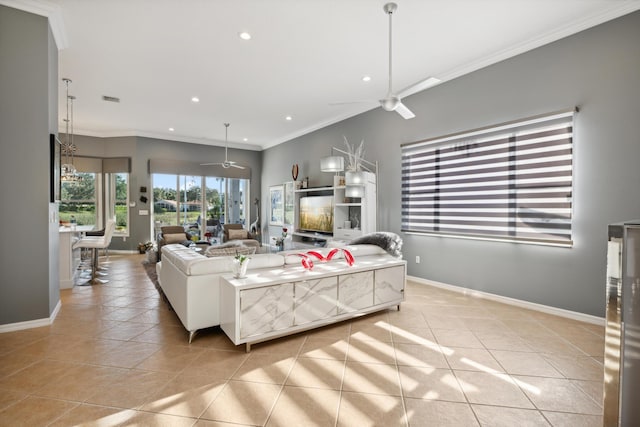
{"x": 116, "y": 355}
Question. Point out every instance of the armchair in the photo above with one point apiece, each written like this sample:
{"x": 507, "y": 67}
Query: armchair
{"x": 171, "y": 234}
{"x": 237, "y": 232}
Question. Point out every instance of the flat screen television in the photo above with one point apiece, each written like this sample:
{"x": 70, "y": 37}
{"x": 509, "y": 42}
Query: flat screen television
{"x": 316, "y": 214}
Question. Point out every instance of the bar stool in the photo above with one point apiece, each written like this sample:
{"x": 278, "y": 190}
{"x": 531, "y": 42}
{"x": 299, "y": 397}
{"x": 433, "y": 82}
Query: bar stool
{"x": 98, "y": 233}
{"x": 95, "y": 243}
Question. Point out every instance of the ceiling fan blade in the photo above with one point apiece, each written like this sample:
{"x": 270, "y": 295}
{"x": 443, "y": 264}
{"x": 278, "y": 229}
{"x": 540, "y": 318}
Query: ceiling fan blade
{"x": 236, "y": 166}
{"x": 404, "y": 111}
{"x": 210, "y": 164}
{"x": 362, "y": 101}
{"x": 418, "y": 87}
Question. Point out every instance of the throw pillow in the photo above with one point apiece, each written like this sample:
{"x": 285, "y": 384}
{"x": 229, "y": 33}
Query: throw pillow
{"x": 390, "y": 242}
{"x": 238, "y": 234}
{"x": 174, "y": 238}
{"x": 216, "y": 251}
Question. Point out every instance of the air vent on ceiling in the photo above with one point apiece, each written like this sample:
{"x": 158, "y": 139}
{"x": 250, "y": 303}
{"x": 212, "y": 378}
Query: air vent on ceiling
{"x": 110, "y": 98}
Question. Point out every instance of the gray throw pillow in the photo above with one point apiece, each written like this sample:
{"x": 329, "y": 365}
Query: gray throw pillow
{"x": 390, "y": 242}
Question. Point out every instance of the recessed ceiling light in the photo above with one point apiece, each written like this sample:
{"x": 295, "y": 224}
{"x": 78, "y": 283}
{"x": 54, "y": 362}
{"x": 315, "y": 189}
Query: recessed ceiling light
{"x": 366, "y": 78}
{"x": 288, "y": 118}
{"x": 244, "y": 35}
{"x": 245, "y": 139}
{"x": 171, "y": 129}
{"x": 195, "y": 99}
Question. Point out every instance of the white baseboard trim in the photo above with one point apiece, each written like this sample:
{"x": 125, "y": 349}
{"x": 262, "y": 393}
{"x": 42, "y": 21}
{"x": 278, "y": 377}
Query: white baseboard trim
{"x": 29, "y": 324}
{"x": 121, "y": 252}
{"x": 595, "y": 320}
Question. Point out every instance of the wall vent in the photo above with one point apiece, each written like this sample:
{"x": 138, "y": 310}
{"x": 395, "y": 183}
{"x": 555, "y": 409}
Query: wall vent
{"x": 110, "y": 98}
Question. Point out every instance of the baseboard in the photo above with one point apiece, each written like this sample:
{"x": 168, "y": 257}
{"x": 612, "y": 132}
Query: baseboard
{"x": 29, "y": 324}
{"x": 595, "y": 320}
{"x": 122, "y": 252}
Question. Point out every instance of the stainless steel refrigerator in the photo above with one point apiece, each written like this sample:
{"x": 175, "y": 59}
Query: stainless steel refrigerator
{"x": 622, "y": 342}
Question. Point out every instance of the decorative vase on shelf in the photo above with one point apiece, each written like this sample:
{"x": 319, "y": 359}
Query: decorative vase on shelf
{"x": 239, "y": 267}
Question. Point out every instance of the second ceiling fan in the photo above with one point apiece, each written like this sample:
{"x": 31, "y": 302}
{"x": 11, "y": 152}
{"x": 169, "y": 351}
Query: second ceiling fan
{"x": 227, "y": 163}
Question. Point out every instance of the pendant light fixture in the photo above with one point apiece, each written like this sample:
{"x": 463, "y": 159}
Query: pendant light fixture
{"x": 68, "y": 172}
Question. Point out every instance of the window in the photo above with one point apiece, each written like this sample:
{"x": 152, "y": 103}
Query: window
{"x": 510, "y": 182}
{"x": 117, "y": 191}
{"x": 78, "y": 199}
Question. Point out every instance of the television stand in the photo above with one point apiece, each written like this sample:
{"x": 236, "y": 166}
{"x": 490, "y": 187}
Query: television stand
{"x": 305, "y": 239}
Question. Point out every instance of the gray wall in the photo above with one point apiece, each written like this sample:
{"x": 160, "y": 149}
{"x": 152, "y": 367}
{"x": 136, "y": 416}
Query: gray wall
{"x": 597, "y": 70}
{"x": 28, "y": 88}
{"x": 141, "y": 150}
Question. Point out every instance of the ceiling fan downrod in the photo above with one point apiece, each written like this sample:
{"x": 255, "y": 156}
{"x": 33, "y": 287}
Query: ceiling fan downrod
{"x": 390, "y": 102}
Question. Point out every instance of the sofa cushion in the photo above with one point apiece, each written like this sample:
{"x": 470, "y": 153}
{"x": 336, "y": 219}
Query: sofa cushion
{"x": 193, "y": 263}
{"x": 222, "y": 264}
{"x": 293, "y": 256}
{"x": 174, "y": 238}
{"x": 238, "y": 234}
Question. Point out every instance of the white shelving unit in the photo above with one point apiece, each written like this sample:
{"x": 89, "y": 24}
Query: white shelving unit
{"x": 352, "y": 217}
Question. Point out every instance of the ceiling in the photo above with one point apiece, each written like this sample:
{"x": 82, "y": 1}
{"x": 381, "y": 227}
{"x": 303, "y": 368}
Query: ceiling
{"x": 155, "y": 55}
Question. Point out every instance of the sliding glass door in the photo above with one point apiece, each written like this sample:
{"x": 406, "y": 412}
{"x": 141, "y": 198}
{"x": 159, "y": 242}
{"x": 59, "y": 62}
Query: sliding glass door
{"x": 201, "y": 204}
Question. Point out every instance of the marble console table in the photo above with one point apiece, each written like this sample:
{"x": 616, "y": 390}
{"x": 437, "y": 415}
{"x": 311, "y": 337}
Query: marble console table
{"x": 272, "y": 303}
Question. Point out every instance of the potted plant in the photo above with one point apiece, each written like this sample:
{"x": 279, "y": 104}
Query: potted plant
{"x": 144, "y": 247}
{"x": 240, "y": 264}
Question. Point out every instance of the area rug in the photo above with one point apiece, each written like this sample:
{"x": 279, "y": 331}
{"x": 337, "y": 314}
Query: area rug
{"x": 150, "y": 269}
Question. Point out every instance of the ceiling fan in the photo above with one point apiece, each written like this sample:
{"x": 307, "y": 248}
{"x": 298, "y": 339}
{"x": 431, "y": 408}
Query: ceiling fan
{"x": 393, "y": 101}
{"x": 227, "y": 163}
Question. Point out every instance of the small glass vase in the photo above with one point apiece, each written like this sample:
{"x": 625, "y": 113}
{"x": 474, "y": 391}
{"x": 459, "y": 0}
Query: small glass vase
{"x": 240, "y": 268}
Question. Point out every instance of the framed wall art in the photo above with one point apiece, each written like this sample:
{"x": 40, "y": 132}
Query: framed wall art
{"x": 54, "y": 165}
{"x": 276, "y": 205}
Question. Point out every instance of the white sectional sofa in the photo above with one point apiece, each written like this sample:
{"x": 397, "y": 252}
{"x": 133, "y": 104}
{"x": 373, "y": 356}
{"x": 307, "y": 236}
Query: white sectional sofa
{"x": 191, "y": 281}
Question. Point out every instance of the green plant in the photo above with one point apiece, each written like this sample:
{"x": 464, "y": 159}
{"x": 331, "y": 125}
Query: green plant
{"x": 241, "y": 258}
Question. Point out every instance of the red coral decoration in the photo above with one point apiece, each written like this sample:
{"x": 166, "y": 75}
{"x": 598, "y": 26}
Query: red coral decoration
{"x": 307, "y": 263}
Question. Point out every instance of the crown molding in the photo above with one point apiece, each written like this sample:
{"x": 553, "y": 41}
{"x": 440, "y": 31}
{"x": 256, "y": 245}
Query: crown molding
{"x": 162, "y": 136}
{"x": 49, "y": 10}
{"x": 617, "y": 10}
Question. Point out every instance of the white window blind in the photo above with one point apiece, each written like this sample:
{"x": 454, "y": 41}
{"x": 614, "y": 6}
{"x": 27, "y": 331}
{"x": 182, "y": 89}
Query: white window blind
{"x": 508, "y": 182}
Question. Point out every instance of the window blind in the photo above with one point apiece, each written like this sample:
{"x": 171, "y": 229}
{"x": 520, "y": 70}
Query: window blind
{"x": 511, "y": 182}
{"x": 99, "y": 165}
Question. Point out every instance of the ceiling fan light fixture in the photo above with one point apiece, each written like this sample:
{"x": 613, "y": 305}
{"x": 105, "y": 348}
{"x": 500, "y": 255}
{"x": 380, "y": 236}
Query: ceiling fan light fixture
{"x": 390, "y": 103}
